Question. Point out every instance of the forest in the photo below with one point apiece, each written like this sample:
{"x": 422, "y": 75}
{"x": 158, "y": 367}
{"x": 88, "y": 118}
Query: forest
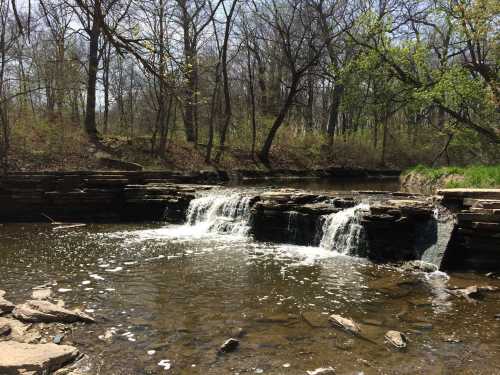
{"x": 249, "y": 83}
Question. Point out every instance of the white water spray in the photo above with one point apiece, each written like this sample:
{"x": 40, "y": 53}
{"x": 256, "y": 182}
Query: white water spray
{"x": 343, "y": 232}
{"x": 220, "y": 213}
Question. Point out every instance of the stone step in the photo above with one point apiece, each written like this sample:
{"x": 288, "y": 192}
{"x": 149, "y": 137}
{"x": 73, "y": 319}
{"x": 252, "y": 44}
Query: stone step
{"x": 481, "y": 226}
{"x": 487, "y": 203}
{"x": 460, "y": 194}
{"x": 480, "y": 217}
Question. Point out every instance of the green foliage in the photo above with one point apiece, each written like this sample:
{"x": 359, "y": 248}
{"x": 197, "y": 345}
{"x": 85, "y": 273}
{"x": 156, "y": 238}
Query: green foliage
{"x": 476, "y": 176}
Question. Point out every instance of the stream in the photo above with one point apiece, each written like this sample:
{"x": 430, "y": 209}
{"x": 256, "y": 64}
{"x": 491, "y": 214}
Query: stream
{"x": 172, "y": 294}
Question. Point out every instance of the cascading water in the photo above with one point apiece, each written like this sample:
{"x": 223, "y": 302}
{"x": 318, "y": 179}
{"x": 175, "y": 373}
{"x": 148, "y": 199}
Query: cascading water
{"x": 220, "y": 213}
{"x": 434, "y": 237}
{"x": 343, "y": 232}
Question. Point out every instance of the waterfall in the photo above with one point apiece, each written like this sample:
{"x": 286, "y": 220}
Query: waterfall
{"x": 220, "y": 213}
{"x": 292, "y": 228}
{"x": 434, "y": 237}
{"x": 343, "y": 232}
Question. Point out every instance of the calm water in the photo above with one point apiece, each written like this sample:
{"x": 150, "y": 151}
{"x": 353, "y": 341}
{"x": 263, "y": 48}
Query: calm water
{"x": 327, "y": 185}
{"x": 182, "y": 291}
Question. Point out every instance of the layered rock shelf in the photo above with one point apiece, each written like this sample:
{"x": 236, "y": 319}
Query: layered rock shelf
{"x": 475, "y": 242}
{"x": 392, "y": 223}
{"x": 97, "y": 197}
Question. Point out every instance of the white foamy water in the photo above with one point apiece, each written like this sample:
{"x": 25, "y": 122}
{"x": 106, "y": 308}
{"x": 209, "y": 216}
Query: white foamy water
{"x": 220, "y": 213}
{"x": 343, "y": 232}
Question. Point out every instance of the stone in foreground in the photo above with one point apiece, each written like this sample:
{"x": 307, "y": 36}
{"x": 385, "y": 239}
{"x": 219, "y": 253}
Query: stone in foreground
{"x": 28, "y": 359}
{"x": 230, "y": 345}
{"x": 396, "y": 339}
{"x": 322, "y": 371}
{"x": 345, "y": 324}
{"x": 5, "y": 306}
{"x": 45, "y": 312}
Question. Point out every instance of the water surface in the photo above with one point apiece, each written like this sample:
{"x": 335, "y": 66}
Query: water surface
{"x": 182, "y": 290}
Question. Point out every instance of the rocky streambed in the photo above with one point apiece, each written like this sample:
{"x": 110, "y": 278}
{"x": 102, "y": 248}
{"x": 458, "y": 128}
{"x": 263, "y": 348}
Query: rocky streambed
{"x": 32, "y": 336}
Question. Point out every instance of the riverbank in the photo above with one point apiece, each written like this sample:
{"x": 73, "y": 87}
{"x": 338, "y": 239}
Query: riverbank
{"x": 427, "y": 180}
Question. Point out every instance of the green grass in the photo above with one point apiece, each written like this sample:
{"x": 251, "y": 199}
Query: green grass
{"x": 476, "y": 176}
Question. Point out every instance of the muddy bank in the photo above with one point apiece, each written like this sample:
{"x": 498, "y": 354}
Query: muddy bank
{"x": 415, "y": 182}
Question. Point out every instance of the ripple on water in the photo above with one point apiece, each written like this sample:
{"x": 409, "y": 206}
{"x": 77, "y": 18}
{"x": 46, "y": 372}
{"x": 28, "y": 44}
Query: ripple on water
{"x": 179, "y": 294}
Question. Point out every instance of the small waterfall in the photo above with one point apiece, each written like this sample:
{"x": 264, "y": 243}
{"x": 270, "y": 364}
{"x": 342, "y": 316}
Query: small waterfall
{"x": 292, "y": 225}
{"x": 434, "y": 237}
{"x": 343, "y": 232}
{"x": 220, "y": 213}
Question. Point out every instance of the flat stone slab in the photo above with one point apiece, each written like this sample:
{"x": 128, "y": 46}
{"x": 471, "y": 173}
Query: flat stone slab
{"x": 34, "y": 359}
{"x": 36, "y": 311}
{"x": 470, "y": 193}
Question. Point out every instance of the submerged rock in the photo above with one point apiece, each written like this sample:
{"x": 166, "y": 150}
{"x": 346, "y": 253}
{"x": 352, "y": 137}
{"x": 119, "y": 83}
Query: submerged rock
{"x": 345, "y": 324}
{"x": 419, "y": 265}
{"x": 230, "y": 345}
{"x": 322, "y": 371}
{"x": 315, "y": 319}
{"x": 396, "y": 339}
{"x": 45, "y": 312}
{"x": 29, "y": 359}
{"x": 473, "y": 292}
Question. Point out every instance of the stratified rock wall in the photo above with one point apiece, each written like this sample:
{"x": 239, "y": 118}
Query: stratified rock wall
{"x": 97, "y": 197}
{"x": 294, "y": 217}
{"x": 475, "y": 243}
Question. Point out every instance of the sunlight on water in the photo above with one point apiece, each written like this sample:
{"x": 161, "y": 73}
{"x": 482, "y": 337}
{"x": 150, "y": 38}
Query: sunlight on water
{"x": 177, "y": 292}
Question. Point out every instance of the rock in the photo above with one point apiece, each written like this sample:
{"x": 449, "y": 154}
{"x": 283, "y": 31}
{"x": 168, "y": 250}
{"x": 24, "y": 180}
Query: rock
{"x": 322, "y": 371}
{"x": 41, "y": 293}
{"x": 418, "y": 265}
{"x": 81, "y": 367}
{"x": 29, "y": 359}
{"x": 5, "y": 329}
{"x": 238, "y": 332}
{"x": 497, "y": 316}
{"x": 345, "y": 324}
{"x": 230, "y": 345}
{"x": 315, "y": 319}
{"x": 45, "y": 312}
{"x": 58, "y": 339}
{"x": 473, "y": 292}
{"x": 5, "y": 306}
{"x": 21, "y": 332}
{"x": 396, "y": 339}
{"x": 345, "y": 344}
{"x": 2, "y": 293}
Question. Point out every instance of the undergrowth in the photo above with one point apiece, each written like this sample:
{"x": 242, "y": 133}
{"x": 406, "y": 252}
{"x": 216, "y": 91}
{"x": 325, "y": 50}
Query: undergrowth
{"x": 475, "y": 176}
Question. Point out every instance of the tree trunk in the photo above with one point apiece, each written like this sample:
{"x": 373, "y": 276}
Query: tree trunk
{"x": 90, "y": 122}
{"x": 251, "y": 92}
{"x": 333, "y": 119}
{"x": 225, "y": 76}
{"x": 266, "y": 148}
{"x": 190, "y": 74}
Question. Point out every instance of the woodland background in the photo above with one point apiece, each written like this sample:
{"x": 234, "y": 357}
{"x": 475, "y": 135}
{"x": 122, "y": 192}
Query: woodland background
{"x": 191, "y": 84}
